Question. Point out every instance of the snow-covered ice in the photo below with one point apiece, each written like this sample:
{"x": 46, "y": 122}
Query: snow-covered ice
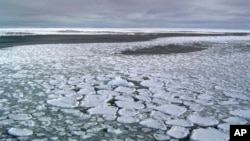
{"x": 91, "y": 91}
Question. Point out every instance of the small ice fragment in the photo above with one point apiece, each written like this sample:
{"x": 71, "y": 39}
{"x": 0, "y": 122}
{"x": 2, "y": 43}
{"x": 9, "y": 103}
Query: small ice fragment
{"x": 20, "y": 132}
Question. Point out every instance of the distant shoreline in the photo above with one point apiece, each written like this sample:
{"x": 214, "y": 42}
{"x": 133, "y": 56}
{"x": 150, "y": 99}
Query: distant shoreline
{"x": 10, "y": 41}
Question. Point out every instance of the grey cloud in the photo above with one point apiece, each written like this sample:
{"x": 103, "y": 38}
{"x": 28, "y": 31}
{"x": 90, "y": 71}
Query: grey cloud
{"x": 125, "y": 13}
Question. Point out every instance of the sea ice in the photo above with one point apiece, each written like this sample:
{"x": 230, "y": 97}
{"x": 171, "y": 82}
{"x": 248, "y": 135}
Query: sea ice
{"x": 152, "y": 83}
{"x": 127, "y": 112}
{"x": 95, "y": 100}
{"x": 20, "y": 132}
{"x": 224, "y": 127}
{"x": 180, "y": 122}
{"x": 178, "y": 132}
{"x": 172, "y": 109}
{"x": 203, "y": 121}
{"x": 103, "y": 110}
{"x": 118, "y": 81}
{"x": 159, "y": 116}
{"x": 126, "y": 90}
{"x": 129, "y": 104}
{"x": 152, "y": 123}
{"x": 161, "y": 137}
{"x": 65, "y": 102}
{"x": 125, "y": 119}
{"x": 235, "y": 120}
{"x": 20, "y": 116}
{"x": 86, "y": 89}
{"x": 209, "y": 134}
{"x": 241, "y": 113}
{"x": 236, "y": 95}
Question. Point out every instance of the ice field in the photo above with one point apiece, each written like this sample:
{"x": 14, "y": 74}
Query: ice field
{"x": 93, "y": 92}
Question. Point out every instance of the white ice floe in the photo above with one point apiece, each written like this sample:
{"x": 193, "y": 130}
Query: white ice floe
{"x": 125, "y": 119}
{"x": 118, "y": 81}
{"x": 125, "y": 90}
{"x": 235, "y": 120}
{"x": 209, "y": 134}
{"x": 20, "y": 132}
{"x": 128, "y": 112}
{"x": 107, "y": 92}
{"x": 159, "y": 116}
{"x": 65, "y": 102}
{"x": 203, "y": 121}
{"x": 129, "y": 104}
{"x": 225, "y": 127}
{"x": 85, "y": 89}
{"x": 241, "y": 113}
{"x": 95, "y": 100}
{"x": 152, "y": 83}
{"x": 161, "y": 137}
{"x": 20, "y": 116}
{"x": 152, "y": 123}
{"x": 236, "y": 95}
{"x": 171, "y": 109}
{"x": 103, "y": 110}
{"x": 178, "y": 132}
{"x": 180, "y": 122}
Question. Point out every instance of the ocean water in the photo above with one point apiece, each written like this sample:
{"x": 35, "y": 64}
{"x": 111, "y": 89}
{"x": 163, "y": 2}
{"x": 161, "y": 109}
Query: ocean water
{"x": 90, "y": 91}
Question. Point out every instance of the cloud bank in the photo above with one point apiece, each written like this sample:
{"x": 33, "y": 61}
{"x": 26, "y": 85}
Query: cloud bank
{"x": 126, "y": 13}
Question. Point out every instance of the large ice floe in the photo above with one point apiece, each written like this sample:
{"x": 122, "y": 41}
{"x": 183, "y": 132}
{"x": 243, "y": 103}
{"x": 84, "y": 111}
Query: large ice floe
{"x": 92, "y": 92}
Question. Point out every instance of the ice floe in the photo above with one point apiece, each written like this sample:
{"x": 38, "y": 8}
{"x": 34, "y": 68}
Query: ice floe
{"x": 171, "y": 109}
{"x": 20, "y": 116}
{"x": 20, "y": 132}
{"x": 209, "y": 134}
{"x": 95, "y": 100}
{"x": 179, "y": 122}
{"x": 241, "y": 113}
{"x": 178, "y": 132}
{"x": 118, "y": 81}
{"x": 152, "y": 123}
{"x": 203, "y": 121}
{"x": 65, "y": 102}
{"x": 103, "y": 110}
{"x": 129, "y": 104}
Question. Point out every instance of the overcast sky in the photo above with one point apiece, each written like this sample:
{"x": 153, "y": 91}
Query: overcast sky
{"x": 126, "y": 13}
